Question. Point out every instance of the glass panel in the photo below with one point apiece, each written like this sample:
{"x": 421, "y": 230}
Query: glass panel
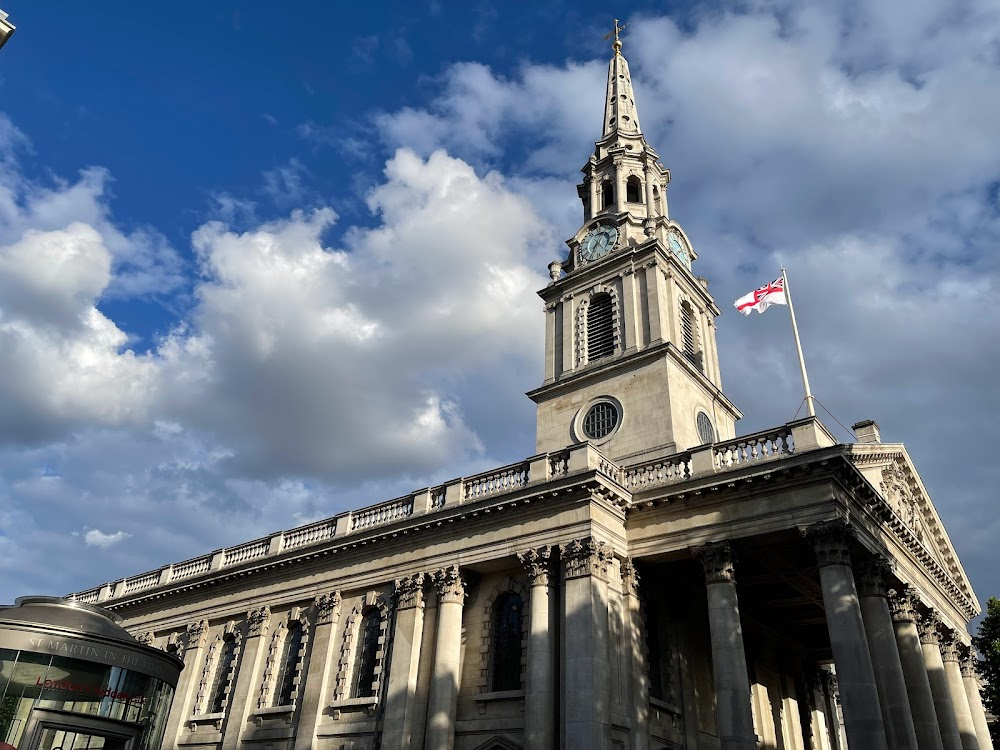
{"x": 507, "y": 632}
{"x": 364, "y": 666}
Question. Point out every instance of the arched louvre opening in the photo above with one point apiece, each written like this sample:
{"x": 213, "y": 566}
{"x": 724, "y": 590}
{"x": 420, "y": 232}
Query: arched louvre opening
{"x": 600, "y": 327}
{"x": 284, "y": 683}
{"x": 689, "y": 334}
{"x": 508, "y": 613}
{"x": 656, "y": 201}
{"x": 222, "y": 677}
{"x": 607, "y": 194}
{"x": 363, "y": 679}
{"x": 633, "y": 190}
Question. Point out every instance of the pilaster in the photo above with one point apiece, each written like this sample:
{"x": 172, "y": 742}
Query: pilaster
{"x": 193, "y": 654}
{"x": 443, "y": 700}
{"x": 637, "y": 654}
{"x": 401, "y": 703}
{"x": 320, "y": 667}
{"x": 248, "y": 677}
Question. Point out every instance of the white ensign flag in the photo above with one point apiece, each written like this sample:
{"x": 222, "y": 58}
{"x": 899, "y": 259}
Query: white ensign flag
{"x": 761, "y": 299}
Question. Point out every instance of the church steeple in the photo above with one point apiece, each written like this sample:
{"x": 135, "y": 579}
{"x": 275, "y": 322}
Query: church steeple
{"x": 630, "y": 356}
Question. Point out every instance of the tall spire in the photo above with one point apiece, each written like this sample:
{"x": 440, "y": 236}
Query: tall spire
{"x": 620, "y": 115}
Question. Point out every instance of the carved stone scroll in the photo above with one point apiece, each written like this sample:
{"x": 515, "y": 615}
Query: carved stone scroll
{"x": 537, "y": 564}
{"x": 450, "y": 585}
{"x": 410, "y": 591}
{"x": 586, "y": 557}
{"x": 327, "y": 608}
{"x": 258, "y": 621}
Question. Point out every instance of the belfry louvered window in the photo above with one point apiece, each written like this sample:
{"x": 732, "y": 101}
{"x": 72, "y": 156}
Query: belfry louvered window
{"x": 508, "y": 611}
{"x": 284, "y": 683}
{"x": 689, "y": 335}
{"x": 222, "y": 676}
{"x": 633, "y": 190}
{"x": 607, "y": 194}
{"x": 363, "y": 680}
{"x": 600, "y": 327}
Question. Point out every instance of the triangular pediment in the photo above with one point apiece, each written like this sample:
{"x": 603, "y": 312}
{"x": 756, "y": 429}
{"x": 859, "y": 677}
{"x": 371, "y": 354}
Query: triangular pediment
{"x": 889, "y": 469}
{"x": 498, "y": 743}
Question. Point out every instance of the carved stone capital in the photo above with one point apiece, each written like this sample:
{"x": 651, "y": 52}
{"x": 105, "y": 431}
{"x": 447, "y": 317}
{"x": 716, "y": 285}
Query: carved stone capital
{"x": 872, "y": 574}
{"x": 197, "y": 634}
{"x": 630, "y": 577}
{"x": 718, "y": 561}
{"x": 450, "y": 586}
{"x": 537, "y": 563}
{"x": 969, "y": 663}
{"x": 258, "y": 621}
{"x": 832, "y": 542}
{"x": 146, "y": 639}
{"x": 928, "y": 625}
{"x": 903, "y": 604}
{"x": 327, "y": 607}
{"x": 586, "y": 557}
{"x": 410, "y": 591}
{"x": 949, "y": 645}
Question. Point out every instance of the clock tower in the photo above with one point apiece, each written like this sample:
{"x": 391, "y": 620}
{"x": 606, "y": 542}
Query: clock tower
{"x": 631, "y": 363}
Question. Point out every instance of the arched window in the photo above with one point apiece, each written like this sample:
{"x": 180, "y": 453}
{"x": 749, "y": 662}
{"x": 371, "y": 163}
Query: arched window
{"x": 508, "y": 611}
{"x": 633, "y": 190}
{"x": 222, "y": 677}
{"x": 363, "y": 679}
{"x": 288, "y": 666}
{"x": 600, "y": 327}
{"x": 656, "y": 200}
{"x": 689, "y": 334}
{"x": 607, "y": 194}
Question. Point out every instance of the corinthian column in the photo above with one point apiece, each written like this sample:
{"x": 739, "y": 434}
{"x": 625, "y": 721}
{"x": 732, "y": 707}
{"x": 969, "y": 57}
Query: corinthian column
{"x": 871, "y": 578}
{"x": 637, "y": 654}
{"x": 587, "y": 696}
{"x": 247, "y": 677}
{"x": 729, "y": 660}
{"x": 539, "y": 694}
{"x": 319, "y": 668}
{"x": 443, "y": 700}
{"x": 971, "y": 681}
{"x": 187, "y": 686}
{"x": 902, "y": 603}
{"x": 956, "y": 688}
{"x": 401, "y": 709}
{"x": 855, "y": 674}
{"x": 930, "y": 640}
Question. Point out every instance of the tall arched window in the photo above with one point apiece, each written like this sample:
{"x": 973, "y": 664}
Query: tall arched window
{"x": 288, "y": 666}
{"x": 690, "y": 334}
{"x": 607, "y": 194}
{"x": 508, "y": 611}
{"x": 363, "y": 679}
{"x": 600, "y": 327}
{"x": 633, "y": 190}
{"x": 222, "y": 677}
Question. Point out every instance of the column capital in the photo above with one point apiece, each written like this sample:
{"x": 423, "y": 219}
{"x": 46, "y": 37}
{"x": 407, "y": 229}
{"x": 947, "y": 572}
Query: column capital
{"x": 903, "y": 603}
{"x": 410, "y": 591}
{"x": 197, "y": 634}
{"x": 537, "y": 562}
{"x": 450, "y": 585}
{"x": 327, "y": 608}
{"x": 258, "y": 621}
{"x": 832, "y": 541}
{"x": 147, "y": 638}
{"x": 630, "y": 577}
{"x": 969, "y": 663}
{"x": 928, "y": 625}
{"x": 718, "y": 560}
{"x": 872, "y": 574}
{"x": 586, "y": 557}
{"x": 949, "y": 645}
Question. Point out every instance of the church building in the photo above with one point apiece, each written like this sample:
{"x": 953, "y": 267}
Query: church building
{"x": 646, "y": 580}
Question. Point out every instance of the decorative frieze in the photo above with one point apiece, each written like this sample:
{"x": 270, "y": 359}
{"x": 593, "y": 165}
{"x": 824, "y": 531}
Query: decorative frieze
{"x": 718, "y": 561}
{"x": 450, "y": 586}
{"x": 258, "y": 621}
{"x": 832, "y": 542}
{"x": 903, "y": 604}
{"x": 586, "y": 557}
{"x": 537, "y": 564}
{"x": 872, "y": 575}
{"x": 327, "y": 608}
{"x": 410, "y": 591}
{"x": 928, "y": 625}
{"x": 630, "y": 577}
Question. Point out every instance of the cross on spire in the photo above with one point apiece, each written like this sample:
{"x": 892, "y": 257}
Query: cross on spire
{"x": 617, "y": 44}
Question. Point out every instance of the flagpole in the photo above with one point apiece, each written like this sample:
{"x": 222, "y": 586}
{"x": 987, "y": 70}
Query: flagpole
{"x": 798, "y": 345}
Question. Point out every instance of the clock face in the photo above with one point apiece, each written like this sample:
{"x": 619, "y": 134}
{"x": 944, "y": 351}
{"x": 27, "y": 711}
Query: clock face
{"x": 677, "y": 246}
{"x": 598, "y": 242}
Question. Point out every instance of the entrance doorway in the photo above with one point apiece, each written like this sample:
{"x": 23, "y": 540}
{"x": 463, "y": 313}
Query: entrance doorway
{"x": 49, "y": 729}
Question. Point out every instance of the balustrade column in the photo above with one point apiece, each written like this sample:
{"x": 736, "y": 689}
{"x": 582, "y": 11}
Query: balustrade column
{"x": 320, "y": 668}
{"x": 902, "y": 604}
{"x": 959, "y": 698}
{"x": 539, "y": 694}
{"x": 729, "y": 661}
{"x": 443, "y": 700}
{"x": 586, "y": 672}
{"x": 248, "y": 677}
{"x": 193, "y": 654}
{"x": 896, "y": 713}
{"x": 637, "y": 655}
{"x": 930, "y": 638}
{"x": 971, "y": 681}
{"x": 855, "y": 674}
{"x": 401, "y": 699}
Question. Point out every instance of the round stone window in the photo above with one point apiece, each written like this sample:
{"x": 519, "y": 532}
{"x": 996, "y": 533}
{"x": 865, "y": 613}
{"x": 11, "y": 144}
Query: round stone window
{"x": 601, "y": 420}
{"x": 705, "y": 429}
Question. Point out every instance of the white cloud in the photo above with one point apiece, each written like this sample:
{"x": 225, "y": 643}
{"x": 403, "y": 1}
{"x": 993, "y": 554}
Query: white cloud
{"x": 97, "y": 538}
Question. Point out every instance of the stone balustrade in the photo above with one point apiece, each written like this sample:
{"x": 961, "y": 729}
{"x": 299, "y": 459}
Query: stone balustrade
{"x": 582, "y": 457}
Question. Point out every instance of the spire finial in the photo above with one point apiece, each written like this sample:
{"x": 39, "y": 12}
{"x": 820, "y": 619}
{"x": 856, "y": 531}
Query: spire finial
{"x": 617, "y": 44}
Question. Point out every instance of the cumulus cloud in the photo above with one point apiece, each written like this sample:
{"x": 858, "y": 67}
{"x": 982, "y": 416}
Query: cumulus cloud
{"x": 97, "y": 538}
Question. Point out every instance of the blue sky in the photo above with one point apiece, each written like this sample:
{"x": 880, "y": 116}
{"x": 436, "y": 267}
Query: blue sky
{"x": 260, "y": 265}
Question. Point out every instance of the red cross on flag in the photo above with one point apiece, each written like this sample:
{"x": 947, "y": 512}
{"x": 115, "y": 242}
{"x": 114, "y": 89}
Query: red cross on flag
{"x": 761, "y": 299}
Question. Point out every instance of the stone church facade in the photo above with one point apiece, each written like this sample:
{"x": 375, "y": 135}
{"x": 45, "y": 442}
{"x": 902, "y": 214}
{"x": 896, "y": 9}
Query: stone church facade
{"x": 646, "y": 580}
